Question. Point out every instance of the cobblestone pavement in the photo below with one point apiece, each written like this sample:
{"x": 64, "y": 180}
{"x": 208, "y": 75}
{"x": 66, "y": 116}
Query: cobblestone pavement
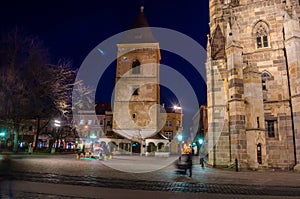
{"x": 66, "y": 170}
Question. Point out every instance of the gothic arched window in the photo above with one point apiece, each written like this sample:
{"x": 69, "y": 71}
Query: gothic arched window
{"x": 136, "y": 67}
{"x": 261, "y": 33}
{"x": 264, "y": 77}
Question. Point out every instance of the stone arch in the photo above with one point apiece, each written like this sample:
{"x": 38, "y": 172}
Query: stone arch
{"x": 266, "y": 75}
{"x": 151, "y": 147}
{"x": 161, "y": 146}
{"x": 136, "y": 147}
{"x": 124, "y": 147}
{"x": 112, "y": 146}
{"x": 260, "y": 25}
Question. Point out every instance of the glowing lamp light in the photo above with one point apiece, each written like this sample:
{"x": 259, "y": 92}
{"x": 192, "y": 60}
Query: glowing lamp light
{"x": 177, "y": 107}
{"x": 200, "y": 141}
{"x": 2, "y": 134}
{"x": 179, "y": 137}
{"x": 93, "y": 136}
{"x": 57, "y": 123}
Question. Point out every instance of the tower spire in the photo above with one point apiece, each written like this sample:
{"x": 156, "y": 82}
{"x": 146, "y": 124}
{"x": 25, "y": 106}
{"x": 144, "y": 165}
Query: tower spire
{"x": 142, "y": 6}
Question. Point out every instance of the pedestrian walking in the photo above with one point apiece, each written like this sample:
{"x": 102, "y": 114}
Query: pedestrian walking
{"x": 202, "y": 162}
{"x": 189, "y": 164}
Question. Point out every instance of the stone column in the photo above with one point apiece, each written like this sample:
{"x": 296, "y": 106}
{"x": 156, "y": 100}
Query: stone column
{"x": 254, "y": 117}
{"x": 236, "y": 103}
{"x": 292, "y": 46}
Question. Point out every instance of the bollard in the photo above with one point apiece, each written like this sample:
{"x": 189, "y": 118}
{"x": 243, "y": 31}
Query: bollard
{"x": 236, "y": 165}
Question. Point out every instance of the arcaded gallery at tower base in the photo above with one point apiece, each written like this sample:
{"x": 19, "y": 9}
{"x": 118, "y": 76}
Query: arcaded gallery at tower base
{"x": 253, "y": 84}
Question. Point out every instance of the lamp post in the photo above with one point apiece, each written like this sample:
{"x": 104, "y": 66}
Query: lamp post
{"x": 179, "y": 136}
{"x": 57, "y": 125}
{"x": 2, "y": 138}
{"x": 201, "y": 142}
{"x": 179, "y": 139}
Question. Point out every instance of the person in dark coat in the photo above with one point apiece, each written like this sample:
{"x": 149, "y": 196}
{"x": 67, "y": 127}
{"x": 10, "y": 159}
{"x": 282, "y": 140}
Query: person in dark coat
{"x": 189, "y": 164}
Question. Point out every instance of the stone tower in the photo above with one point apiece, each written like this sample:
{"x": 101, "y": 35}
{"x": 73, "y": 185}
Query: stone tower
{"x": 137, "y": 93}
{"x": 253, "y": 83}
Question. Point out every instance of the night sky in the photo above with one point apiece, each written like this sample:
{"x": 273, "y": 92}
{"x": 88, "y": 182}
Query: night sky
{"x": 71, "y": 29}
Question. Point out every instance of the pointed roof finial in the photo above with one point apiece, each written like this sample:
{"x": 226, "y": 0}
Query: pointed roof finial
{"x": 142, "y": 9}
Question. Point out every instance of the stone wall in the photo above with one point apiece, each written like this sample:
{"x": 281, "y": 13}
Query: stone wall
{"x": 240, "y": 22}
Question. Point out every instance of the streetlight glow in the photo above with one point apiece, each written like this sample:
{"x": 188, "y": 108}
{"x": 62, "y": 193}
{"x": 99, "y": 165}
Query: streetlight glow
{"x": 57, "y": 123}
{"x": 179, "y": 137}
{"x": 176, "y": 107}
{"x": 200, "y": 141}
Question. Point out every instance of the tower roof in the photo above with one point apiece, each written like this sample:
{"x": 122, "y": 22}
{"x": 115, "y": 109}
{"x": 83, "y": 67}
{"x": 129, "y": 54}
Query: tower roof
{"x": 140, "y": 21}
{"x": 139, "y": 31}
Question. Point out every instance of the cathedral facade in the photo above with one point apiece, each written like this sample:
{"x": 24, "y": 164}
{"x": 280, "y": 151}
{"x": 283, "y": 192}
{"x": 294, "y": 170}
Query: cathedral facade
{"x": 253, "y": 84}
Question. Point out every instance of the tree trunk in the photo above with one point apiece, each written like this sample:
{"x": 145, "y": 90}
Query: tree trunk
{"x": 37, "y": 134}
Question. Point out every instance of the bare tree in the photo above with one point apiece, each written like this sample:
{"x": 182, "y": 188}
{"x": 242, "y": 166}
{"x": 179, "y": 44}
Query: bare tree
{"x": 31, "y": 87}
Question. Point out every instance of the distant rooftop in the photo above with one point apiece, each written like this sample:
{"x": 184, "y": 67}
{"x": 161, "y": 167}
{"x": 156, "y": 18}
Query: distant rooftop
{"x": 101, "y": 107}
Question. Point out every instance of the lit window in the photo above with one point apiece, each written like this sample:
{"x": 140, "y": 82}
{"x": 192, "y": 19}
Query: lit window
{"x": 81, "y": 122}
{"x": 89, "y": 122}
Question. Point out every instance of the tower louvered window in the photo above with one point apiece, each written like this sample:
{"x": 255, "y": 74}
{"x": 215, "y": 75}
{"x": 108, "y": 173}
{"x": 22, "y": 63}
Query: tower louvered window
{"x": 136, "y": 67}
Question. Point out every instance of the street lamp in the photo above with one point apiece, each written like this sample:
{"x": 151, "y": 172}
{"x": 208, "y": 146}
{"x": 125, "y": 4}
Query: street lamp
{"x": 2, "y": 134}
{"x": 57, "y": 124}
{"x": 200, "y": 141}
{"x": 176, "y": 107}
{"x": 179, "y": 139}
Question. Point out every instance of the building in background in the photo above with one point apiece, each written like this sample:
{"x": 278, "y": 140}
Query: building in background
{"x": 199, "y": 130}
{"x": 253, "y": 68}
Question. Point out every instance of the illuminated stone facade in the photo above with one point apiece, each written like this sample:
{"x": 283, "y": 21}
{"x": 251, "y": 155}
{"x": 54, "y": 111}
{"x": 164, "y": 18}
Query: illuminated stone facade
{"x": 253, "y": 83}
